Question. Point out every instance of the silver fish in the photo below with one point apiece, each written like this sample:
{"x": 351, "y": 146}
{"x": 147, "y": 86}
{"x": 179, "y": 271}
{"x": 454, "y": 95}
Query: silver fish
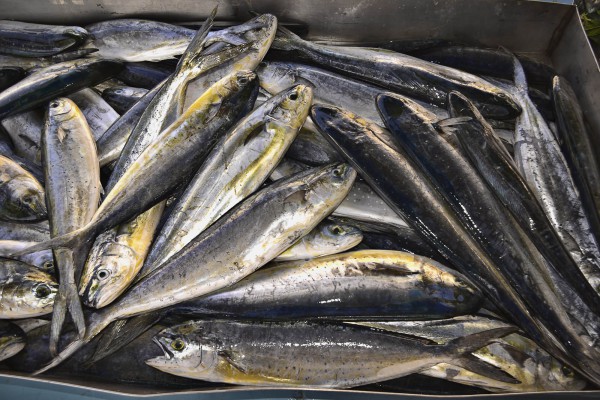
{"x": 25, "y": 130}
{"x": 22, "y": 198}
{"x": 36, "y": 40}
{"x": 97, "y": 112}
{"x": 43, "y": 260}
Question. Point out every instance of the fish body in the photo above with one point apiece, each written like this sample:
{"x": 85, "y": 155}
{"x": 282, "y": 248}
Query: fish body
{"x": 145, "y": 74}
{"x": 326, "y": 239}
{"x": 298, "y": 353}
{"x": 402, "y": 73}
{"x": 12, "y": 340}
{"x": 25, "y": 130}
{"x": 30, "y": 232}
{"x": 122, "y": 98}
{"x": 43, "y": 260}
{"x": 97, "y": 112}
{"x": 73, "y": 193}
{"x": 54, "y": 81}
{"x": 25, "y": 291}
{"x": 237, "y": 166}
{"x": 22, "y": 197}
{"x": 377, "y": 284}
{"x": 36, "y": 40}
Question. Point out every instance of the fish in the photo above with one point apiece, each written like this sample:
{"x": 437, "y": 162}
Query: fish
{"x": 256, "y": 34}
{"x": 361, "y": 204}
{"x": 12, "y": 339}
{"x": 43, "y": 260}
{"x": 398, "y": 238}
{"x": 30, "y": 232}
{"x": 135, "y": 40}
{"x": 10, "y": 75}
{"x": 257, "y": 230}
{"x": 122, "y": 98}
{"x": 539, "y": 159}
{"x": 33, "y": 63}
{"x": 145, "y": 74}
{"x": 388, "y": 170}
{"x": 36, "y": 40}
{"x": 241, "y": 161}
{"x": 311, "y": 148}
{"x": 22, "y": 197}
{"x": 25, "y": 130}
{"x": 26, "y": 291}
{"x": 116, "y": 258}
{"x": 112, "y": 142}
{"x": 71, "y": 163}
{"x": 7, "y": 150}
{"x": 326, "y": 239}
{"x": 56, "y": 80}
{"x": 480, "y": 144}
{"x": 404, "y": 74}
{"x": 306, "y": 354}
{"x": 578, "y": 149}
{"x": 97, "y": 112}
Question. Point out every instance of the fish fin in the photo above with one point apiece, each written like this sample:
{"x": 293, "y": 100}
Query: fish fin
{"x": 480, "y": 367}
{"x": 519, "y": 74}
{"x": 67, "y": 298}
{"x": 224, "y": 37}
{"x": 123, "y": 332}
{"x": 452, "y": 121}
{"x": 66, "y": 353}
{"x": 229, "y": 356}
{"x": 215, "y": 59}
{"x": 297, "y": 196}
{"x": 70, "y": 240}
{"x": 458, "y": 347}
{"x": 61, "y": 134}
{"x": 198, "y": 42}
{"x": 286, "y": 39}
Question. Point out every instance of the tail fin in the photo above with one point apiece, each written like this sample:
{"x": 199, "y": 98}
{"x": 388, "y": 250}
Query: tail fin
{"x": 121, "y": 333}
{"x": 66, "y": 353}
{"x": 286, "y": 39}
{"x": 519, "y": 73}
{"x": 197, "y": 43}
{"x": 71, "y": 240}
{"x": 480, "y": 367}
{"x": 67, "y": 298}
{"x": 458, "y": 347}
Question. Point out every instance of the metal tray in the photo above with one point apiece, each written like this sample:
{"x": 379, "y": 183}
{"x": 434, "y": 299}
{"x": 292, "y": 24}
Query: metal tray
{"x": 551, "y": 32}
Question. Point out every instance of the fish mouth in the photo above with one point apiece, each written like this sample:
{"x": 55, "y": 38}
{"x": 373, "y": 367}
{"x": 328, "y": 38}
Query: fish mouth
{"x": 168, "y": 354}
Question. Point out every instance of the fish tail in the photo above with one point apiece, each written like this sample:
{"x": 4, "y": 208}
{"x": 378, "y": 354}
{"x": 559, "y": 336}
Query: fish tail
{"x": 67, "y": 298}
{"x": 66, "y": 353}
{"x": 286, "y": 39}
{"x": 70, "y": 240}
{"x": 519, "y": 75}
{"x": 197, "y": 43}
{"x": 480, "y": 367}
{"x": 121, "y": 333}
{"x": 458, "y": 347}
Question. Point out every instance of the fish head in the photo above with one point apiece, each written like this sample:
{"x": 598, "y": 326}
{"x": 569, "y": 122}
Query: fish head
{"x": 25, "y": 198}
{"x": 77, "y": 33}
{"x": 345, "y": 236}
{"x": 61, "y": 109}
{"x": 188, "y": 351}
{"x": 44, "y": 260}
{"x": 278, "y": 76}
{"x": 341, "y": 126}
{"x": 399, "y": 112}
{"x": 563, "y": 377}
{"x": 260, "y": 29}
{"x": 330, "y": 184}
{"x": 32, "y": 294}
{"x": 499, "y": 105}
{"x": 293, "y": 106}
{"x": 12, "y": 340}
{"x": 109, "y": 276}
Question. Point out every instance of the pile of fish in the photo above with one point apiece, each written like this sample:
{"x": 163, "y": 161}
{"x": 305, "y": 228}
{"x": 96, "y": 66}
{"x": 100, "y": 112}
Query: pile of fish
{"x": 242, "y": 206}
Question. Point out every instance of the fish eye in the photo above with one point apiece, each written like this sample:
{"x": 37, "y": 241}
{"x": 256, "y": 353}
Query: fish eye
{"x": 178, "y": 344}
{"x": 568, "y": 372}
{"x": 293, "y": 96}
{"x": 337, "y": 172}
{"x": 337, "y": 230}
{"x": 42, "y": 291}
{"x": 103, "y": 274}
{"x": 242, "y": 80}
{"x": 48, "y": 264}
{"x": 54, "y": 104}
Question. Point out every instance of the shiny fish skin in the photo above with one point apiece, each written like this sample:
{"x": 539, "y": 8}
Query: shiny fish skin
{"x": 578, "y": 150}
{"x": 145, "y": 74}
{"x": 245, "y": 239}
{"x": 36, "y": 40}
{"x": 238, "y": 165}
{"x": 480, "y": 144}
{"x": 326, "y": 239}
{"x": 135, "y": 40}
{"x": 292, "y": 354}
{"x": 22, "y": 198}
{"x": 54, "y": 81}
{"x": 116, "y": 257}
{"x": 31, "y": 63}
{"x": 7, "y": 150}
{"x": 402, "y": 73}
{"x": 30, "y": 232}
{"x": 311, "y": 148}
{"x": 122, "y": 98}
{"x": 540, "y": 161}
{"x": 25, "y": 130}
{"x": 389, "y": 171}
{"x": 25, "y": 291}
{"x": 12, "y": 340}
{"x": 357, "y": 285}
{"x": 97, "y": 112}
{"x": 71, "y": 163}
